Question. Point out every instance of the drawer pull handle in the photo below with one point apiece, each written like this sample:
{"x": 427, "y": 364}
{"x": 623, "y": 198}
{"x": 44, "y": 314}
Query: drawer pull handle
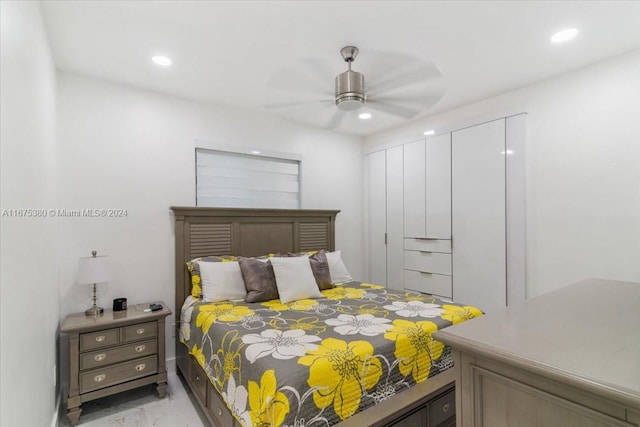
{"x": 100, "y": 338}
{"x": 140, "y": 348}
{"x": 219, "y": 412}
{"x": 100, "y": 357}
{"x": 445, "y": 407}
{"x": 141, "y": 367}
{"x": 140, "y": 331}
{"x": 99, "y": 378}
{"x": 426, "y": 238}
{"x": 428, "y": 273}
{"x": 426, "y": 252}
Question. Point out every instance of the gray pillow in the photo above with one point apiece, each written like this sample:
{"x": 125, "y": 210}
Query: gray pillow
{"x": 259, "y": 280}
{"x": 320, "y": 268}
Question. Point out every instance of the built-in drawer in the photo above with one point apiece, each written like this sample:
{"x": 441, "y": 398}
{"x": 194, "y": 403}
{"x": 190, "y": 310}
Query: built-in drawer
{"x": 427, "y": 262}
{"x": 198, "y": 380}
{"x": 105, "y": 338}
{"x": 117, "y": 354}
{"x": 217, "y": 409}
{"x": 140, "y": 331}
{"x": 442, "y": 408}
{"x": 429, "y": 245}
{"x": 418, "y": 418}
{"x": 116, "y": 374}
{"x": 435, "y": 284}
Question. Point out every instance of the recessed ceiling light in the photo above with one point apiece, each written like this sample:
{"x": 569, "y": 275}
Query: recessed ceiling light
{"x": 162, "y": 60}
{"x": 429, "y": 132}
{"x": 564, "y": 35}
{"x": 364, "y": 116}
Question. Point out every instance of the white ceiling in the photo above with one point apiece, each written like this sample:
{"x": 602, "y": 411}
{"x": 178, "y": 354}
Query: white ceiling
{"x": 225, "y": 52}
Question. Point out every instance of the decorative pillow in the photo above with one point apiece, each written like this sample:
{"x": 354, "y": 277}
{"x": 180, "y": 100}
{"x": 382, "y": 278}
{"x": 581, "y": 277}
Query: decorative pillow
{"x": 194, "y": 269}
{"x": 294, "y": 279}
{"x": 337, "y": 269}
{"x": 221, "y": 281}
{"x": 320, "y": 269}
{"x": 259, "y": 279}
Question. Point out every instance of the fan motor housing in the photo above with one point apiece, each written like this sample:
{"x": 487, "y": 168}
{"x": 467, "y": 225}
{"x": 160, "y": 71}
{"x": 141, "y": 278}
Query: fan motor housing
{"x": 350, "y": 90}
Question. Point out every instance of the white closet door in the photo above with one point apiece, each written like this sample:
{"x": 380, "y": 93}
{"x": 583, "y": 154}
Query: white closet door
{"x": 376, "y": 163}
{"x": 478, "y": 217}
{"x": 395, "y": 227}
{"x": 414, "y": 189}
{"x": 438, "y": 187}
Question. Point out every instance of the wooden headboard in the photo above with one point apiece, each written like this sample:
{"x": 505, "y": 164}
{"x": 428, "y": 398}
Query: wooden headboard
{"x": 247, "y": 232}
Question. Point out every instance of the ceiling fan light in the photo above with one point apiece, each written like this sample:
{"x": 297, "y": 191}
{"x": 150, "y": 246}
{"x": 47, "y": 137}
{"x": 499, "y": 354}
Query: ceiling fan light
{"x": 350, "y": 90}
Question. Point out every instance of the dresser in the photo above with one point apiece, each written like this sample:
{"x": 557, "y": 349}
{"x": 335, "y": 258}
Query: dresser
{"x": 567, "y": 358}
{"x": 114, "y": 352}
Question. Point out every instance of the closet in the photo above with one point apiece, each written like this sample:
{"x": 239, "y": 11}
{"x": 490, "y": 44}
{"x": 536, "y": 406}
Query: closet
{"x": 446, "y": 214}
{"x": 427, "y": 216}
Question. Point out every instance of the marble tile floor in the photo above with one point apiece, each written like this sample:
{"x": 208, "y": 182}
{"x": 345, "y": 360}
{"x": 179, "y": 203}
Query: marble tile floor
{"x": 142, "y": 408}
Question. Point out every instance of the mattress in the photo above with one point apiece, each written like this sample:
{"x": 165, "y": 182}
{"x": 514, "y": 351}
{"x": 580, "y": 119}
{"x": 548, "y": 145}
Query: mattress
{"x": 318, "y": 361}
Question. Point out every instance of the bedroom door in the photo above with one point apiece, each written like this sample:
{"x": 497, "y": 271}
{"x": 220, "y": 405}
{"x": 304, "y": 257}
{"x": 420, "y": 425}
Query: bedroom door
{"x": 478, "y": 215}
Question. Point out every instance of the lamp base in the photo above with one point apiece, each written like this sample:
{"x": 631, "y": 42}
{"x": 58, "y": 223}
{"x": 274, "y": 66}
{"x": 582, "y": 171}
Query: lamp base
{"x": 94, "y": 311}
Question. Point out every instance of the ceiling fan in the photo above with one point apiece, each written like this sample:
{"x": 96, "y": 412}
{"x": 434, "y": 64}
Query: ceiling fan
{"x": 399, "y": 86}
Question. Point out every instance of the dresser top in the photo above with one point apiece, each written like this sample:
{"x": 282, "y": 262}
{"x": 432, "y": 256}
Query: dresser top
{"x": 79, "y": 322}
{"x": 586, "y": 334}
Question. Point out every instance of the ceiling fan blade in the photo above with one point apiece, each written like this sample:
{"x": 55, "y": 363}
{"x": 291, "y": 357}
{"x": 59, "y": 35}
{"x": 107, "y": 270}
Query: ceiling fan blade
{"x": 404, "y": 77}
{"x": 319, "y": 71}
{"x": 395, "y": 109}
{"x": 284, "y": 105}
{"x": 336, "y": 119}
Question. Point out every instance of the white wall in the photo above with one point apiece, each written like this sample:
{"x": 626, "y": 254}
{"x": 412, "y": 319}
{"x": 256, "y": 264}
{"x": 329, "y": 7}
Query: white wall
{"x": 29, "y": 286}
{"x": 583, "y": 169}
{"x": 131, "y": 149}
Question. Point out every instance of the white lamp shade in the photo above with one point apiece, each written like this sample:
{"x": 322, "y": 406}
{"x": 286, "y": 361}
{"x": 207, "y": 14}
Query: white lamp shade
{"x": 94, "y": 270}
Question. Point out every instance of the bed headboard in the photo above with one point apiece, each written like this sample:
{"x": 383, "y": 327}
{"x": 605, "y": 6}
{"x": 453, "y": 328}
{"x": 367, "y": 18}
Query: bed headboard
{"x": 248, "y": 232}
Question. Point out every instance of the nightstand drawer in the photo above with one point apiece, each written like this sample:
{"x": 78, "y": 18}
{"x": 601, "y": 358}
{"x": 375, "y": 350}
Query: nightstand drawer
{"x": 140, "y": 331}
{"x": 100, "y": 378}
{"x": 117, "y": 354}
{"x": 99, "y": 339}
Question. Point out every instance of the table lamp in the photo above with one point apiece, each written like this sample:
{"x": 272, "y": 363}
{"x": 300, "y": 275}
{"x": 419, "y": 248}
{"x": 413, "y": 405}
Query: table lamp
{"x": 92, "y": 270}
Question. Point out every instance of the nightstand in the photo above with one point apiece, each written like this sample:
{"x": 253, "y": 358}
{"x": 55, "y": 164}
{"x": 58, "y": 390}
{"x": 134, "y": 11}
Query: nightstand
{"x": 114, "y": 352}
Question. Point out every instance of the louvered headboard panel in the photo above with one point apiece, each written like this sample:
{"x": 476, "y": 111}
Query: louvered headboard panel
{"x": 207, "y": 239}
{"x": 314, "y": 235}
{"x": 249, "y": 232}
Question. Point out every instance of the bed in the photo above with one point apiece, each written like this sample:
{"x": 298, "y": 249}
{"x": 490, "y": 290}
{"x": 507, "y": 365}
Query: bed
{"x": 358, "y": 354}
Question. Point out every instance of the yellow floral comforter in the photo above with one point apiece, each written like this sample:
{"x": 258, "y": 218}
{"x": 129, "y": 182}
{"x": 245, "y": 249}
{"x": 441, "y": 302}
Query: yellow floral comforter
{"x": 316, "y": 362}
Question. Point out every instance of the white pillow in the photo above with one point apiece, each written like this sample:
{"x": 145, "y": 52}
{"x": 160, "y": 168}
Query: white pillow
{"x": 337, "y": 269}
{"x": 294, "y": 279}
{"x": 221, "y": 281}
